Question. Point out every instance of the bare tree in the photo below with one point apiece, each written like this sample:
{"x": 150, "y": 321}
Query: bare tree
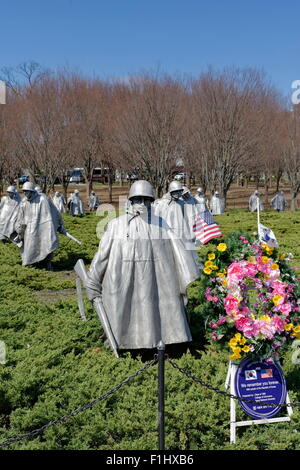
{"x": 151, "y": 128}
{"x": 228, "y": 124}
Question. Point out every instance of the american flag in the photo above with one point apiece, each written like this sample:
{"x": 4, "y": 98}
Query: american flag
{"x": 205, "y": 227}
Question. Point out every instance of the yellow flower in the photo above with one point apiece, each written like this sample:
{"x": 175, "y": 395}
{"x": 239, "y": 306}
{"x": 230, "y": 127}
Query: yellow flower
{"x": 214, "y": 267}
{"x": 236, "y": 354}
{"x": 288, "y": 326}
{"x": 296, "y": 332}
{"x": 211, "y": 256}
{"x": 208, "y": 264}
{"x": 281, "y": 257}
{"x": 238, "y": 336}
{"x": 274, "y": 266}
{"x": 222, "y": 247}
{"x": 233, "y": 343}
{"x": 265, "y": 318}
{"x": 252, "y": 259}
{"x": 264, "y": 259}
{"x": 276, "y": 299}
{"x": 243, "y": 341}
{"x": 246, "y": 349}
{"x": 224, "y": 282}
{"x": 207, "y": 270}
{"x": 267, "y": 248}
{"x": 220, "y": 274}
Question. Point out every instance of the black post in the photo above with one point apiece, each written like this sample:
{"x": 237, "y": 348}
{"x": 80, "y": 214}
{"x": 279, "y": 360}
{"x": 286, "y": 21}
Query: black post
{"x": 161, "y": 395}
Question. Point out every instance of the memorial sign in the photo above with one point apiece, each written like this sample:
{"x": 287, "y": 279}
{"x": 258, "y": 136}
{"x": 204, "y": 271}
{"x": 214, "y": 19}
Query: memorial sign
{"x": 257, "y": 381}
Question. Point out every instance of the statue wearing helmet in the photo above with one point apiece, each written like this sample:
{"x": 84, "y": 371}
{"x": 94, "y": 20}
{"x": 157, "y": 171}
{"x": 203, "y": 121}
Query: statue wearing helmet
{"x": 278, "y": 202}
{"x": 59, "y": 202}
{"x": 75, "y": 204}
{"x": 254, "y": 200}
{"x": 36, "y": 226}
{"x": 217, "y": 204}
{"x": 140, "y": 274}
{"x": 201, "y": 200}
{"x": 8, "y": 212}
{"x": 177, "y": 214}
{"x": 94, "y": 201}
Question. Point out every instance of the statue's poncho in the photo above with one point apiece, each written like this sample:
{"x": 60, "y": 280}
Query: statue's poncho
{"x": 8, "y": 215}
{"x": 253, "y": 199}
{"x": 202, "y": 203}
{"x": 141, "y": 271}
{"x": 278, "y": 202}
{"x": 217, "y": 205}
{"x": 59, "y": 202}
{"x": 179, "y": 216}
{"x": 76, "y": 205}
{"x": 37, "y": 224}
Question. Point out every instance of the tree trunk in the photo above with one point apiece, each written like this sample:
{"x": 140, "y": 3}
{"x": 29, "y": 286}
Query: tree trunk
{"x": 293, "y": 200}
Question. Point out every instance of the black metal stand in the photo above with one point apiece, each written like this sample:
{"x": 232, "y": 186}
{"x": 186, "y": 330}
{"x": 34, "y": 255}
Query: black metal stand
{"x": 161, "y": 396}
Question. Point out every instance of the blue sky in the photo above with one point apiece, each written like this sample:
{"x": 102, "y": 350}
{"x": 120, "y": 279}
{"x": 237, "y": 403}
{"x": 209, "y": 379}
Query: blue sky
{"x": 117, "y": 38}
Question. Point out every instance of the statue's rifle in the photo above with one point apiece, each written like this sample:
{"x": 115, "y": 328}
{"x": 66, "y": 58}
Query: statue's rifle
{"x": 79, "y": 268}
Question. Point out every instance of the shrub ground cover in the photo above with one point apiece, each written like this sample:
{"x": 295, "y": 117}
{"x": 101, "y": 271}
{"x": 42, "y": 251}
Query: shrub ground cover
{"x": 56, "y": 363}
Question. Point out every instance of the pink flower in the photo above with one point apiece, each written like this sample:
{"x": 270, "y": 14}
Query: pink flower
{"x": 221, "y": 320}
{"x": 213, "y": 325}
{"x": 278, "y": 323}
{"x": 284, "y": 308}
{"x": 231, "y": 303}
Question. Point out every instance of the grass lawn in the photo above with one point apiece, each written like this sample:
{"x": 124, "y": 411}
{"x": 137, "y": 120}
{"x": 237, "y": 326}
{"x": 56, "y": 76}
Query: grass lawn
{"x": 56, "y": 362}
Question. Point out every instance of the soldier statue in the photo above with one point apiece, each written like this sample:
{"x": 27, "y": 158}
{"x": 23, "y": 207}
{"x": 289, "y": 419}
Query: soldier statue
{"x": 140, "y": 274}
{"x": 37, "y": 224}
{"x": 8, "y": 212}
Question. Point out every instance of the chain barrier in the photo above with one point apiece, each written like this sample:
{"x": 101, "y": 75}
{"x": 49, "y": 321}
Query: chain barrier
{"x": 88, "y": 405}
{"x": 222, "y": 392}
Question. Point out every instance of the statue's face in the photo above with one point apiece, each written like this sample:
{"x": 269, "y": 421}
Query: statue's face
{"x": 176, "y": 194}
{"x": 10, "y": 195}
{"x": 28, "y": 195}
{"x": 141, "y": 204}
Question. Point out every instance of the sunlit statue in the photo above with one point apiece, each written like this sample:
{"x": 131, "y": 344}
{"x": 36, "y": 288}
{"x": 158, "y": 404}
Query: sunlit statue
{"x": 140, "y": 275}
{"x": 59, "y": 202}
{"x": 254, "y": 199}
{"x": 217, "y": 204}
{"x": 37, "y": 224}
{"x": 93, "y": 201}
{"x": 173, "y": 209}
{"x": 75, "y": 204}
{"x": 8, "y": 212}
{"x": 201, "y": 200}
{"x": 278, "y": 202}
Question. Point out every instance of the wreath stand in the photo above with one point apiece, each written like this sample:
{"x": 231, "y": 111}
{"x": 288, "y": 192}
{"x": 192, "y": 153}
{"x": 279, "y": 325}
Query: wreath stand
{"x": 232, "y": 368}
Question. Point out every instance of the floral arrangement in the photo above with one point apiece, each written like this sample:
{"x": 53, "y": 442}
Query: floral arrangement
{"x": 250, "y": 298}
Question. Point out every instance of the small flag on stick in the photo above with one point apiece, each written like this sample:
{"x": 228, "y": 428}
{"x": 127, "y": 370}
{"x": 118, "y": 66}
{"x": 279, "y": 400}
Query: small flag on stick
{"x": 266, "y": 235}
{"x": 205, "y": 227}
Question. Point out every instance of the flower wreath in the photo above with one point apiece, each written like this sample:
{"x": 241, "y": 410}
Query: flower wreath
{"x": 249, "y": 298}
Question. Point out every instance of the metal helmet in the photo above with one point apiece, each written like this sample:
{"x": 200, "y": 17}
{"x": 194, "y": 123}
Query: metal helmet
{"x": 28, "y": 186}
{"x": 200, "y": 190}
{"x": 11, "y": 189}
{"x": 185, "y": 190}
{"x": 175, "y": 186}
{"x": 76, "y": 191}
{"x": 141, "y": 188}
